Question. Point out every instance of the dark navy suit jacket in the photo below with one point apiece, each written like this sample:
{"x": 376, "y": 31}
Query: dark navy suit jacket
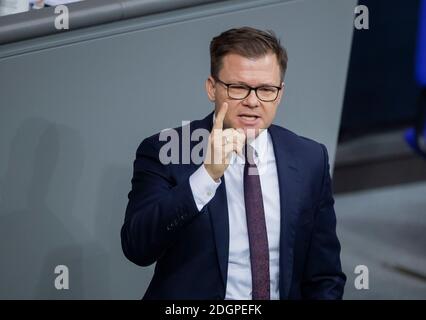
{"x": 163, "y": 225}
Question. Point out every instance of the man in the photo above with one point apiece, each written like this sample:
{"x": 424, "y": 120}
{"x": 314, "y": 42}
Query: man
{"x": 255, "y": 219}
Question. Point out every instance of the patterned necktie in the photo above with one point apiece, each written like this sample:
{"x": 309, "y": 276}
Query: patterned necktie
{"x": 256, "y": 226}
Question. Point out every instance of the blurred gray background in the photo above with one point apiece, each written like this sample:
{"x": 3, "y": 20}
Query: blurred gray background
{"x": 75, "y": 106}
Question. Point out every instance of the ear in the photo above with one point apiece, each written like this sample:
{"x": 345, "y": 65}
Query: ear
{"x": 210, "y": 89}
{"x": 281, "y": 93}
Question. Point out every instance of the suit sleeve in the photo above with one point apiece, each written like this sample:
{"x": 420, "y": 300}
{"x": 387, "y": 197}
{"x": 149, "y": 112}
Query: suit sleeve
{"x": 323, "y": 276}
{"x": 158, "y": 208}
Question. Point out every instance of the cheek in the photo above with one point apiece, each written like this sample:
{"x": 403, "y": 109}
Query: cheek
{"x": 231, "y": 117}
{"x": 270, "y": 114}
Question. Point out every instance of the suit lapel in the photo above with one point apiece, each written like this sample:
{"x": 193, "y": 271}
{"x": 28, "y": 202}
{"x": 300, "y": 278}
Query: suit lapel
{"x": 289, "y": 185}
{"x": 218, "y": 210}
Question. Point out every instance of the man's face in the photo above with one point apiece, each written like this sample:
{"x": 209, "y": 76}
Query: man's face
{"x": 253, "y": 72}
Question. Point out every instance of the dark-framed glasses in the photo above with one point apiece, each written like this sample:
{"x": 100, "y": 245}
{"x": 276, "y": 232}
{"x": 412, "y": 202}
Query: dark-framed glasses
{"x": 238, "y": 91}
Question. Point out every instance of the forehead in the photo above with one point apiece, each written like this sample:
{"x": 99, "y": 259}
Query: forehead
{"x": 264, "y": 69}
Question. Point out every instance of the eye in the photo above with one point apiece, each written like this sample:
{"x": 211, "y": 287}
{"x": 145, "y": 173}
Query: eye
{"x": 267, "y": 89}
{"x": 238, "y": 87}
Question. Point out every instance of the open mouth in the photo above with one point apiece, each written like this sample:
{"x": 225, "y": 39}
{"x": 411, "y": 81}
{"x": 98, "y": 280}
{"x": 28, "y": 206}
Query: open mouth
{"x": 249, "y": 117}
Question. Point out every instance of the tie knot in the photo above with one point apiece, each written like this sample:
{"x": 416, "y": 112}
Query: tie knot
{"x": 249, "y": 153}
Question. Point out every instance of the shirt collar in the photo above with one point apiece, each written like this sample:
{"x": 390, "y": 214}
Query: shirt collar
{"x": 259, "y": 144}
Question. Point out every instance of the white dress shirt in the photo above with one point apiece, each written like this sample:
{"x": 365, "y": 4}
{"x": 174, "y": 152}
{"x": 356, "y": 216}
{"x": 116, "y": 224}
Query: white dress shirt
{"x": 239, "y": 282}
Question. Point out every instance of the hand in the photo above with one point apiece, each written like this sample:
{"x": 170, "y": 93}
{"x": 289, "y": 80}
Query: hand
{"x": 221, "y": 144}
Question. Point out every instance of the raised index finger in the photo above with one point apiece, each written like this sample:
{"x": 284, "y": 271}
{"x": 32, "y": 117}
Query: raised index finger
{"x": 218, "y": 123}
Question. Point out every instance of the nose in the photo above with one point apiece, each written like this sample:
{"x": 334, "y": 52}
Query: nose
{"x": 251, "y": 100}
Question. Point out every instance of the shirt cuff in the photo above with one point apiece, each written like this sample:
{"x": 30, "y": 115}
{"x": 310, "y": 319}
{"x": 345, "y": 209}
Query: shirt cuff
{"x": 203, "y": 187}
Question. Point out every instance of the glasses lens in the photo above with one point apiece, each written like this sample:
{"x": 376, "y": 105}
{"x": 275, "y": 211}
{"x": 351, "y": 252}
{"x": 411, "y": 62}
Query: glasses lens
{"x": 237, "y": 91}
{"x": 267, "y": 93}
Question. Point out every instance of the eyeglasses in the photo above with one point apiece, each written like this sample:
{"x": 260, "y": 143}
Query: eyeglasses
{"x": 242, "y": 91}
